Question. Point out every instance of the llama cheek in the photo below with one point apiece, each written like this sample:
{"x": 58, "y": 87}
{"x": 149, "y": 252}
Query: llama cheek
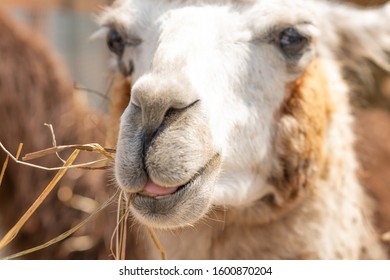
{"x": 301, "y": 128}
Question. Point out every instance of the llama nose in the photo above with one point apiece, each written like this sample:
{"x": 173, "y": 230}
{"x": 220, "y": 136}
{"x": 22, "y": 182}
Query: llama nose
{"x": 158, "y": 97}
{"x": 160, "y": 101}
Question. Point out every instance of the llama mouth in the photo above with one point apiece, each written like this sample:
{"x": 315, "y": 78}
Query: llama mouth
{"x": 153, "y": 191}
{"x": 176, "y": 206}
{"x": 156, "y": 210}
{"x": 160, "y": 192}
{"x": 156, "y": 191}
{"x": 163, "y": 198}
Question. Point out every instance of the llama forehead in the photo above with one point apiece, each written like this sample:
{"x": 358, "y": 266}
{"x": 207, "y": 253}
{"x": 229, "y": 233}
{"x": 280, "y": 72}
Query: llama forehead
{"x": 138, "y": 17}
{"x": 196, "y": 34}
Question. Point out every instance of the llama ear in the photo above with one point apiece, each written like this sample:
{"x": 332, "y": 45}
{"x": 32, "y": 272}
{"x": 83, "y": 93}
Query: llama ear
{"x": 119, "y": 100}
{"x": 365, "y": 35}
{"x": 362, "y": 45}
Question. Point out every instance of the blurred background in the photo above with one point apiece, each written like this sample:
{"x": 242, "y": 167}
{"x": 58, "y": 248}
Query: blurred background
{"x": 67, "y": 25}
{"x": 45, "y": 53}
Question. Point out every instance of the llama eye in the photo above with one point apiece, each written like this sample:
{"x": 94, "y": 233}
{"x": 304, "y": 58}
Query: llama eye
{"x": 291, "y": 42}
{"x": 115, "y": 42}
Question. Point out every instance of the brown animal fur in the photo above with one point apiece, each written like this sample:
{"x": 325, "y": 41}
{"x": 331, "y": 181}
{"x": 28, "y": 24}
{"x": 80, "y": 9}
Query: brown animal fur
{"x": 303, "y": 119}
{"x": 35, "y": 89}
{"x": 120, "y": 97}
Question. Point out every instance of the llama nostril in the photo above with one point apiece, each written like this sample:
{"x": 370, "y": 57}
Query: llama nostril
{"x": 147, "y": 139}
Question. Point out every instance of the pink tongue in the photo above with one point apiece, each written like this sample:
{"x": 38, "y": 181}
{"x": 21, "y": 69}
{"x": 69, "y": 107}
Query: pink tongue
{"x": 156, "y": 190}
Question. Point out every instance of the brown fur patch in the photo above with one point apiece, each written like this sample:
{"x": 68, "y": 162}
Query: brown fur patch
{"x": 120, "y": 98}
{"x": 301, "y": 126}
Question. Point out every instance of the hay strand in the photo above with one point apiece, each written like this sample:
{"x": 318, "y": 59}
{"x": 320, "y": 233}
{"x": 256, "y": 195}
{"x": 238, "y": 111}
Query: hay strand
{"x": 19, "y": 150}
{"x": 122, "y": 236}
{"x": 65, "y": 234}
{"x": 93, "y": 147}
{"x": 6, "y": 162}
{"x": 54, "y": 141}
{"x": 157, "y": 243}
{"x": 53, "y": 150}
{"x": 15, "y": 230}
{"x": 120, "y": 231}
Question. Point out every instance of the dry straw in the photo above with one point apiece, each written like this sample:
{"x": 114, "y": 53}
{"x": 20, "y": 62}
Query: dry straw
{"x": 12, "y": 233}
{"x": 157, "y": 243}
{"x": 6, "y": 162}
{"x": 120, "y": 231}
{"x": 64, "y": 235}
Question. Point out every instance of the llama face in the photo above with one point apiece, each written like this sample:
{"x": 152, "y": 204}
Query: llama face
{"x": 207, "y": 80}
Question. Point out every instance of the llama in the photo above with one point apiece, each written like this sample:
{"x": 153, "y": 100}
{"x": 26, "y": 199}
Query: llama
{"x": 237, "y": 142}
{"x": 34, "y": 89}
